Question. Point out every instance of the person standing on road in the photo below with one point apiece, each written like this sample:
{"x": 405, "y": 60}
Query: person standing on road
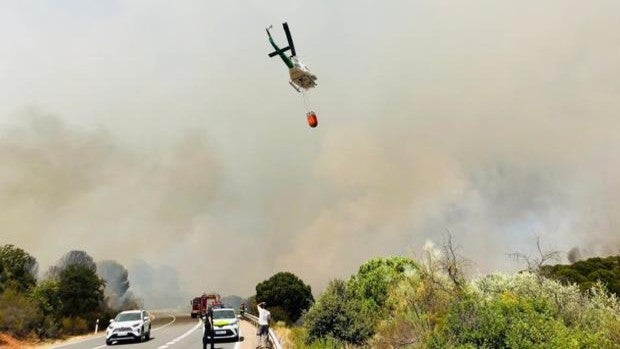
{"x": 263, "y": 324}
{"x": 209, "y": 333}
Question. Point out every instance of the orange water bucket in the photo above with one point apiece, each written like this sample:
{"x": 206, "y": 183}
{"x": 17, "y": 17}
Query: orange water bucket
{"x": 312, "y": 120}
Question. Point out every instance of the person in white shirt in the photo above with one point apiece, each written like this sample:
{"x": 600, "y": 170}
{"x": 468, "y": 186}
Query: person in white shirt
{"x": 263, "y": 324}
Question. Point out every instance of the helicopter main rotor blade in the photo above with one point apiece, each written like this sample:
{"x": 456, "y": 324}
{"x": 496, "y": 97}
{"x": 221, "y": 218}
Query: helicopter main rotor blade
{"x": 289, "y": 38}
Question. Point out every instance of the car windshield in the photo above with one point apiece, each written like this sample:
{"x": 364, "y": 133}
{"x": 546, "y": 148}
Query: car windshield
{"x": 127, "y": 317}
{"x": 223, "y": 314}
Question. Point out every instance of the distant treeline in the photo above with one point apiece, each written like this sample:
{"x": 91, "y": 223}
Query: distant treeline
{"x": 66, "y": 300}
{"x": 588, "y": 273}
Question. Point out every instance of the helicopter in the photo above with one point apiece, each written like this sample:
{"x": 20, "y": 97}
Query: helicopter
{"x": 301, "y": 77}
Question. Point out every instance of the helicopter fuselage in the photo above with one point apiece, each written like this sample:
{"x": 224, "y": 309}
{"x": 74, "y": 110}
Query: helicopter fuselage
{"x": 301, "y": 75}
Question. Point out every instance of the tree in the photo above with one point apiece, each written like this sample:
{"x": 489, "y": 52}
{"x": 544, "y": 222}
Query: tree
{"x": 80, "y": 290}
{"x": 287, "y": 296}
{"x": 17, "y": 269}
{"x": 373, "y": 279}
{"x": 338, "y": 315}
{"x": 73, "y": 257}
{"x": 586, "y": 273}
{"x": 536, "y": 263}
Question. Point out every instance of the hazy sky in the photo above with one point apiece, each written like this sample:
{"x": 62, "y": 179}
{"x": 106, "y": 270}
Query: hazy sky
{"x": 160, "y": 131}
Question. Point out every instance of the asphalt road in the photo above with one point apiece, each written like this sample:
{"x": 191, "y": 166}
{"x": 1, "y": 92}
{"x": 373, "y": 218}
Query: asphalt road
{"x": 169, "y": 331}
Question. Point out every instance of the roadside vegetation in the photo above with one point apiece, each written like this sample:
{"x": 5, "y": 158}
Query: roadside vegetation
{"x": 67, "y": 300}
{"x": 400, "y": 302}
{"x": 286, "y": 295}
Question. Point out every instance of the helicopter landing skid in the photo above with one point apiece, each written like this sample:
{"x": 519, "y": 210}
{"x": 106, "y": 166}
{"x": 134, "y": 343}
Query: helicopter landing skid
{"x": 293, "y": 86}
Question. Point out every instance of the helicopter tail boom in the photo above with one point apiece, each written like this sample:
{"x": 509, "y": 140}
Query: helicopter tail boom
{"x": 279, "y": 51}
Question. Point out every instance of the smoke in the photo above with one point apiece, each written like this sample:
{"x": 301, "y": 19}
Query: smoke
{"x": 65, "y": 186}
{"x": 117, "y": 289}
{"x": 159, "y": 287}
{"x": 182, "y": 146}
{"x": 232, "y": 301}
{"x": 574, "y": 255}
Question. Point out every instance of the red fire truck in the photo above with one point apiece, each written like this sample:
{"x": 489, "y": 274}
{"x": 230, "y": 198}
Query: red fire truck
{"x": 202, "y": 303}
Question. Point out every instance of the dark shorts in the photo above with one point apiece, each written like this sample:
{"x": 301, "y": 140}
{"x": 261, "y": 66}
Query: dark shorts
{"x": 263, "y": 330}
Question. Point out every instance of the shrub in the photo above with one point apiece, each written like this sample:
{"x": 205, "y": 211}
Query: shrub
{"x": 73, "y": 325}
{"x": 375, "y": 277}
{"x": 299, "y": 339}
{"x": 525, "y": 311}
{"x": 47, "y": 296}
{"x": 339, "y": 315}
{"x": 416, "y": 305}
{"x": 18, "y": 314}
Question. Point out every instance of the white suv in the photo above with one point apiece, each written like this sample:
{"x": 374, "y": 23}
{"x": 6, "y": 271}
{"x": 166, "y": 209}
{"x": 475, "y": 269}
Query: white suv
{"x": 129, "y": 325}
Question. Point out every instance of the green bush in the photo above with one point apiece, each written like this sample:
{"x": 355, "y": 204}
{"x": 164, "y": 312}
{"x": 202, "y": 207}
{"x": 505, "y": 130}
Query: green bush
{"x": 18, "y": 314}
{"x": 509, "y": 322}
{"x": 524, "y": 311}
{"x": 376, "y": 276}
{"x": 47, "y": 295}
{"x": 339, "y": 315}
{"x": 415, "y": 306}
{"x": 299, "y": 339}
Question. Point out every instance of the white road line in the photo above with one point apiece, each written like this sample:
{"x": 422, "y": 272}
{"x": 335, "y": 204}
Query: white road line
{"x": 179, "y": 338}
{"x": 80, "y": 341}
{"x": 166, "y": 325}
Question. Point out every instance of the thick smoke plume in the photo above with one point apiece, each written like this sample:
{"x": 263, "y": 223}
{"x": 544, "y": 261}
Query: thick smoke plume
{"x": 159, "y": 287}
{"x": 117, "y": 288}
{"x": 574, "y": 255}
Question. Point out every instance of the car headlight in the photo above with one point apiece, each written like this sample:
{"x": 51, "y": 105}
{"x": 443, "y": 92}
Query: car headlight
{"x": 136, "y": 325}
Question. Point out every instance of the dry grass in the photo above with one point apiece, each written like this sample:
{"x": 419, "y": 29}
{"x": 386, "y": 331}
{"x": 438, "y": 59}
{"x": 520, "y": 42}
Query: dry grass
{"x": 8, "y": 342}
